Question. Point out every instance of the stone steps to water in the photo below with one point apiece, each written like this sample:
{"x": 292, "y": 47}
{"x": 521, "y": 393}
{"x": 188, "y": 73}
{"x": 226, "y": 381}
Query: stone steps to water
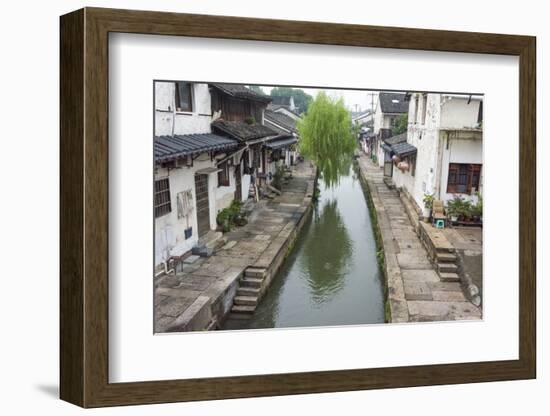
{"x": 243, "y": 309}
{"x": 239, "y": 315}
{"x": 446, "y": 268}
{"x": 449, "y": 277}
{"x": 251, "y": 282}
{"x": 255, "y": 272}
{"x": 248, "y": 291}
{"x": 445, "y": 257}
{"x": 246, "y": 300}
{"x": 444, "y": 249}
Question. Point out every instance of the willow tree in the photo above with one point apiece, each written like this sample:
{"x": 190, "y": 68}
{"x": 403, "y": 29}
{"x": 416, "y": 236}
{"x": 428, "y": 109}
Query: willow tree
{"x": 326, "y": 137}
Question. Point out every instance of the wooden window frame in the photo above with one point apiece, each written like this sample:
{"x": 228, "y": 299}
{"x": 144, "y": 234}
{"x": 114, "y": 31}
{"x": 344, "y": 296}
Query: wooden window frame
{"x": 162, "y": 206}
{"x": 223, "y": 175}
{"x": 463, "y": 174}
{"x": 177, "y": 97}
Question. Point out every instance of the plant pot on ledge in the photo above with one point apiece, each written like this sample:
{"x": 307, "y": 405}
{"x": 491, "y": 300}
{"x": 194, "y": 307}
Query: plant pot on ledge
{"x": 426, "y": 214}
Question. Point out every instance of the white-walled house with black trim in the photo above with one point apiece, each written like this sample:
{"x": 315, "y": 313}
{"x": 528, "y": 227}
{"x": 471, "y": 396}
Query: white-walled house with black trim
{"x": 209, "y": 145}
{"x": 389, "y": 107}
{"x": 445, "y": 135}
{"x": 187, "y": 190}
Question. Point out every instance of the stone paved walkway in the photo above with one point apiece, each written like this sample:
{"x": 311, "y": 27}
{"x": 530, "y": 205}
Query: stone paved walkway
{"x": 415, "y": 291}
{"x": 202, "y": 282}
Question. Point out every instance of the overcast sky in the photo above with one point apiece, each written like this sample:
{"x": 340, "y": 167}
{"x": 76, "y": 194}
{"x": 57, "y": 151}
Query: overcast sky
{"x": 355, "y": 100}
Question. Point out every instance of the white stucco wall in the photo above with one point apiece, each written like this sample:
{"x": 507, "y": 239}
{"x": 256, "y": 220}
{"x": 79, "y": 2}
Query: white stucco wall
{"x": 380, "y": 154}
{"x": 169, "y": 230}
{"x": 168, "y": 121}
{"x": 425, "y": 138}
{"x": 224, "y": 195}
{"x": 457, "y": 113}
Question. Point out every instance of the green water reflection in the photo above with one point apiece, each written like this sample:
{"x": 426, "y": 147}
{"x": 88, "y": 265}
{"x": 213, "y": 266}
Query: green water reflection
{"x": 331, "y": 276}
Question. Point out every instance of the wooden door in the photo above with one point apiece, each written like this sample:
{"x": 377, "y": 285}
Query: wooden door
{"x": 238, "y": 186}
{"x": 203, "y": 205}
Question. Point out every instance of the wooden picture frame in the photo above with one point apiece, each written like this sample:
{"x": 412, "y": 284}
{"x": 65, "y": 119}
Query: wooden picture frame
{"x": 84, "y": 207}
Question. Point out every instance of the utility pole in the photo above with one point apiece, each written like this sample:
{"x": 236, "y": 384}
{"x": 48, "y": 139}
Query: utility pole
{"x": 371, "y": 139}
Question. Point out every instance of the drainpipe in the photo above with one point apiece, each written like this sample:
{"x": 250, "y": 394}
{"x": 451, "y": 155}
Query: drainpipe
{"x": 439, "y": 167}
{"x": 166, "y": 270}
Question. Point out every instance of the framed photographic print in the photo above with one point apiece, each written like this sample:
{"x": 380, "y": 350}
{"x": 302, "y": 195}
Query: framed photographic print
{"x": 256, "y": 207}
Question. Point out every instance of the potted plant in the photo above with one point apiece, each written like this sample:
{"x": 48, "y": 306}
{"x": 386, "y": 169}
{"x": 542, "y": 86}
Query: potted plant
{"x": 467, "y": 211}
{"x": 453, "y": 209}
{"x": 428, "y": 201}
{"x": 478, "y": 208}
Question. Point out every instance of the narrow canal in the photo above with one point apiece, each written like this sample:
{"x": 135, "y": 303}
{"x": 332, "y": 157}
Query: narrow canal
{"x": 331, "y": 276}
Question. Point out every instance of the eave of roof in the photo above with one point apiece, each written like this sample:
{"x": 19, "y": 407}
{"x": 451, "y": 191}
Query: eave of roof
{"x": 168, "y": 148}
{"x": 399, "y": 138}
{"x": 280, "y": 120}
{"x": 241, "y": 91}
{"x": 281, "y": 108}
{"x": 403, "y": 149}
{"x": 281, "y": 142}
{"x": 243, "y": 131}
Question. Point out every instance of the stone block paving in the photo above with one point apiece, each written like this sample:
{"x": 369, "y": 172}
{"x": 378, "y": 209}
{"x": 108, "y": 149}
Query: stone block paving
{"x": 270, "y": 224}
{"x": 415, "y": 291}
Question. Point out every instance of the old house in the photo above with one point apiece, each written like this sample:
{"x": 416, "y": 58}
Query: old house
{"x": 443, "y": 154}
{"x": 282, "y": 148}
{"x": 189, "y": 188}
{"x": 239, "y": 113}
{"x": 362, "y": 119}
{"x": 284, "y": 105}
{"x": 389, "y": 108}
{"x": 392, "y": 146}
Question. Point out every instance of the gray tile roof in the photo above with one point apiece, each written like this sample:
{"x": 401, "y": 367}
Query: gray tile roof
{"x": 241, "y": 130}
{"x": 169, "y": 148}
{"x": 277, "y": 107}
{"x": 241, "y": 91}
{"x": 391, "y": 102}
{"x": 400, "y": 138}
{"x": 359, "y": 114}
{"x": 279, "y": 131}
{"x": 281, "y": 120}
{"x": 281, "y": 142}
{"x": 403, "y": 149}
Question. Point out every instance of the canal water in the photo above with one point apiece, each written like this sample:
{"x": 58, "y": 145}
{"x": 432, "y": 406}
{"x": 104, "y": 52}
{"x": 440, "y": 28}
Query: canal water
{"x": 331, "y": 276}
